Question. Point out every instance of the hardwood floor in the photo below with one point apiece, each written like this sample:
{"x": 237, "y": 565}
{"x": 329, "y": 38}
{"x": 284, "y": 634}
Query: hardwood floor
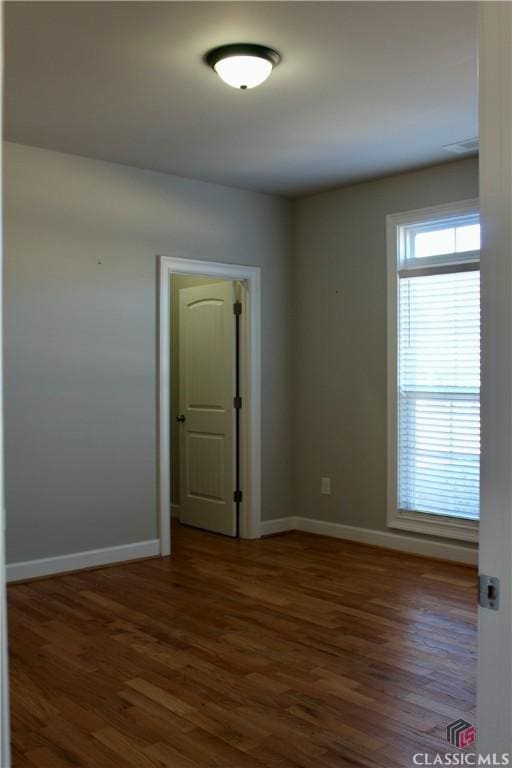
{"x": 296, "y": 650}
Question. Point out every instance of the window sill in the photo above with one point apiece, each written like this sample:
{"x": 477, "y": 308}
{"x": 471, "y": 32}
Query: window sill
{"x": 433, "y": 525}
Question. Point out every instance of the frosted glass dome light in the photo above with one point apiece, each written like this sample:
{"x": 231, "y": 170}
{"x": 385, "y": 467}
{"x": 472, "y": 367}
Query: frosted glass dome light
{"x": 243, "y": 71}
{"x": 243, "y": 65}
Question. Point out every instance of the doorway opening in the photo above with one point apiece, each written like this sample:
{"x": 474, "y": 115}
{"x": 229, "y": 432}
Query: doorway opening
{"x": 209, "y": 399}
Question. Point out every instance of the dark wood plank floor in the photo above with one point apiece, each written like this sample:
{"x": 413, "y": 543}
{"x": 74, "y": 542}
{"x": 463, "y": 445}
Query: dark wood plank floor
{"x": 293, "y": 651}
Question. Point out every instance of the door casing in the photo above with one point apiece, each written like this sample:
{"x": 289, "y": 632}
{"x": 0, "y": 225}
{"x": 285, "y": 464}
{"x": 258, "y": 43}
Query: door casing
{"x": 250, "y": 352}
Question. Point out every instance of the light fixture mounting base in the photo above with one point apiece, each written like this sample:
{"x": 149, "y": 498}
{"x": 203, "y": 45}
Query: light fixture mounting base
{"x": 242, "y": 49}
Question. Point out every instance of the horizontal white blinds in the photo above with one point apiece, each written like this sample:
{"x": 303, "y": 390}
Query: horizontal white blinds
{"x": 439, "y": 394}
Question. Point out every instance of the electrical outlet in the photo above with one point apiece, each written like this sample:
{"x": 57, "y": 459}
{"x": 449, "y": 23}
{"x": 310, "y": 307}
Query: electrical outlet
{"x": 325, "y": 486}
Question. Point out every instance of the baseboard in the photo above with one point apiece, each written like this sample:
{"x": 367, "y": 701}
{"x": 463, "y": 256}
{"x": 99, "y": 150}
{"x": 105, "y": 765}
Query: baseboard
{"x": 457, "y": 553}
{"x": 93, "y": 558}
{"x": 33, "y": 569}
{"x": 175, "y": 510}
{"x": 278, "y": 525}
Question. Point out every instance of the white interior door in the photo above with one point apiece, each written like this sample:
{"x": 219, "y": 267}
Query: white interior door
{"x": 495, "y": 626}
{"x": 206, "y": 391}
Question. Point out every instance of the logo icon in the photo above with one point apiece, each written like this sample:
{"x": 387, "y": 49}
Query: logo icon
{"x": 461, "y": 734}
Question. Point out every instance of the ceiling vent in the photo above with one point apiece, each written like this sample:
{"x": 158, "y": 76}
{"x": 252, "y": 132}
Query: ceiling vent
{"x": 463, "y": 147}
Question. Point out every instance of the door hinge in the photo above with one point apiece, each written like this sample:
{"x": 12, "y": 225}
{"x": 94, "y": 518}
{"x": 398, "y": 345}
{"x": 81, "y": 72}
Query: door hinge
{"x": 237, "y": 402}
{"x": 237, "y": 496}
{"x": 237, "y": 308}
{"x": 489, "y": 592}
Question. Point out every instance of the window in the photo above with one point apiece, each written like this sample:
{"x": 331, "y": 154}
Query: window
{"x": 434, "y": 371}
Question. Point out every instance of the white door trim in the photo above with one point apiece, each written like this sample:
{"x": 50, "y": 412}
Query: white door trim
{"x": 250, "y": 447}
{"x": 5, "y": 751}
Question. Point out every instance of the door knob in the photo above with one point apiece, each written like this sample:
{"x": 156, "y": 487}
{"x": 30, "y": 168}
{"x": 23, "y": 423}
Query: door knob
{"x": 180, "y": 418}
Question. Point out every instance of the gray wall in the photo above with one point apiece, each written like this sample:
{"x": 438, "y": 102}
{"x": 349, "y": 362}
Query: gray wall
{"x": 340, "y": 337}
{"x": 81, "y": 238}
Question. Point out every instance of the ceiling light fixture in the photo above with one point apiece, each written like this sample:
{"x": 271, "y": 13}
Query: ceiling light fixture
{"x": 243, "y": 65}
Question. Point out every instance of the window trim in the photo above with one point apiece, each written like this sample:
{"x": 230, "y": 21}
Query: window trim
{"x": 416, "y": 522}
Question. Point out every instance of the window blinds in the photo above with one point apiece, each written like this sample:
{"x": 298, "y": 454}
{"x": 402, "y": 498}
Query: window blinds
{"x": 439, "y": 394}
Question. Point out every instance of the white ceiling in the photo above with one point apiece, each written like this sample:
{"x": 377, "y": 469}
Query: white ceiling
{"x": 364, "y": 89}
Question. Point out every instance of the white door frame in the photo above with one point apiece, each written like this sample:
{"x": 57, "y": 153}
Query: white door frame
{"x": 250, "y": 438}
{"x": 5, "y": 752}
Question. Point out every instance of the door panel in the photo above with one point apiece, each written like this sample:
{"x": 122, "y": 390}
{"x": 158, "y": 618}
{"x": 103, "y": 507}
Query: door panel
{"x": 206, "y": 388}
{"x": 205, "y": 460}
